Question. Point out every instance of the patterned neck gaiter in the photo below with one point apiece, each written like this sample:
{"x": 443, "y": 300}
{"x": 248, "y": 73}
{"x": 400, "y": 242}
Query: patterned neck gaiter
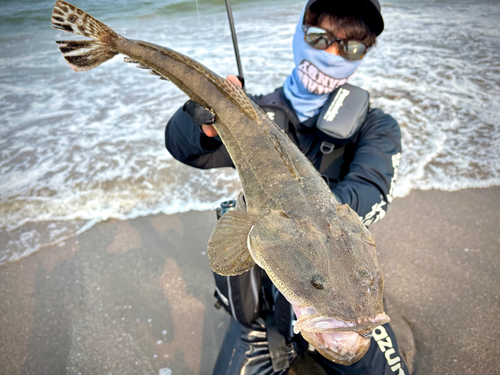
{"x": 317, "y": 73}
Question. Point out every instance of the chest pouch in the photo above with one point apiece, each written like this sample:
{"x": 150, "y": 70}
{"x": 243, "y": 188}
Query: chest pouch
{"x": 338, "y": 122}
{"x": 343, "y": 113}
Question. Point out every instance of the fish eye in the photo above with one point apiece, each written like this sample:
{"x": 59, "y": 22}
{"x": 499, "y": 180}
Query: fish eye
{"x": 317, "y": 282}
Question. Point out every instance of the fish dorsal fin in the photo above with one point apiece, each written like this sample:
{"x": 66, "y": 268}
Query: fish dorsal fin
{"x": 238, "y": 96}
{"x": 227, "y": 246}
{"x": 283, "y": 153}
{"x": 233, "y": 93}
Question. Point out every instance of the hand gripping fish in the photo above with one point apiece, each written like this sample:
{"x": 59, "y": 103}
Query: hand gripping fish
{"x": 316, "y": 251}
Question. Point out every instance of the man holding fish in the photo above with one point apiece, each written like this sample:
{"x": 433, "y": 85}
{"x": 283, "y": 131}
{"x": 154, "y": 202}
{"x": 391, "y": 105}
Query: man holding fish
{"x": 355, "y": 148}
{"x": 292, "y": 253}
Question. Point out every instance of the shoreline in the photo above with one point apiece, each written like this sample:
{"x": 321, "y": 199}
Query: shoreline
{"x": 136, "y": 296}
{"x": 40, "y": 229}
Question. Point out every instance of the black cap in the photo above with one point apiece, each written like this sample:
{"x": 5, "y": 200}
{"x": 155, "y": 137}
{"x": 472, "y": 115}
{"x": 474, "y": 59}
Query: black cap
{"x": 368, "y": 10}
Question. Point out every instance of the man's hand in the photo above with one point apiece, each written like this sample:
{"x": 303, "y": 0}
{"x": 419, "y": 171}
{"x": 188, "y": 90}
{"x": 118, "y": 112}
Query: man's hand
{"x": 209, "y": 130}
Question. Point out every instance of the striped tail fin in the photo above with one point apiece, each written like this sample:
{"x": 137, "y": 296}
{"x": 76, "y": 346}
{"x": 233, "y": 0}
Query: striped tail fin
{"x": 83, "y": 55}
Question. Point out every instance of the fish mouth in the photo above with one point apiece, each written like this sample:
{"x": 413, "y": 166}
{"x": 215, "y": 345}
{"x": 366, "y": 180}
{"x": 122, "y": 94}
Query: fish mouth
{"x": 343, "y": 342}
{"x": 321, "y": 324}
{"x": 344, "y": 348}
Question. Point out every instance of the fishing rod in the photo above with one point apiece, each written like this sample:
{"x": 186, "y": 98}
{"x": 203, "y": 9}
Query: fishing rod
{"x": 235, "y": 41}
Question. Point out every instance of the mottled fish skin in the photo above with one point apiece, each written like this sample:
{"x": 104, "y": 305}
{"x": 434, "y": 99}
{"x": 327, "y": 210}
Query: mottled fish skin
{"x": 316, "y": 251}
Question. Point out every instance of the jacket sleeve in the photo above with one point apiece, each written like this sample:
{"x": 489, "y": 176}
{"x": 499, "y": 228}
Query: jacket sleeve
{"x": 189, "y": 145}
{"x": 368, "y": 185}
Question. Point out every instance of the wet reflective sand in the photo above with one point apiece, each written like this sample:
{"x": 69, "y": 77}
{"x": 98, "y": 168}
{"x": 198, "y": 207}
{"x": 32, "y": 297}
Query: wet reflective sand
{"x": 136, "y": 296}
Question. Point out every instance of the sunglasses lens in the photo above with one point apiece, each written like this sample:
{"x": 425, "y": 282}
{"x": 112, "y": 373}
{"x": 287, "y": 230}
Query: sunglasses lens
{"x": 318, "y": 38}
{"x": 321, "y": 39}
{"x": 354, "y": 50}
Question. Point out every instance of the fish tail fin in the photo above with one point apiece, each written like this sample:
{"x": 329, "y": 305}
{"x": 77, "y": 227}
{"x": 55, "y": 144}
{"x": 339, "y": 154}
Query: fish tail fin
{"x": 69, "y": 18}
{"x": 83, "y": 55}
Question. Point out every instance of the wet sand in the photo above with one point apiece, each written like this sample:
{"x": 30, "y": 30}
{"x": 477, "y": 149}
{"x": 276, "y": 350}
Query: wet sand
{"x": 136, "y": 297}
{"x": 440, "y": 253}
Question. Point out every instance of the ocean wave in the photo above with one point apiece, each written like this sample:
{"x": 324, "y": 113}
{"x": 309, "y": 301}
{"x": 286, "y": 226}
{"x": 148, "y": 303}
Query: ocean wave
{"x": 76, "y": 149}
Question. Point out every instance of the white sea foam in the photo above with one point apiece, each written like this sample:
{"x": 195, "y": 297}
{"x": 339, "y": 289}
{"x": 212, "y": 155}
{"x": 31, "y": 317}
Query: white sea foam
{"x": 76, "y": 149}
{"x": 165, "y": 371}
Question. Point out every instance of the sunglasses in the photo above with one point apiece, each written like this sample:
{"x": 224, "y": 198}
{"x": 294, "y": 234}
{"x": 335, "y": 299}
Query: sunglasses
{"x": 321, "y": 39}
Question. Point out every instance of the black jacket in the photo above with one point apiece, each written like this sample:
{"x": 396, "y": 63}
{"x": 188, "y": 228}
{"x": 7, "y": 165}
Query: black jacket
{"x": 368, "y": 170}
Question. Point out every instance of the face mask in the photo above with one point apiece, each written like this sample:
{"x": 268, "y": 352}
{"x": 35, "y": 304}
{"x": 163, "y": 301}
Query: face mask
{"x": 317, "y": 73}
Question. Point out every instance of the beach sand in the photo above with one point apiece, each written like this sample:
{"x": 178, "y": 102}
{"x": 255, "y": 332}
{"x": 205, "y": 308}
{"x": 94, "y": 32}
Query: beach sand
{"x": 136, "y": 296}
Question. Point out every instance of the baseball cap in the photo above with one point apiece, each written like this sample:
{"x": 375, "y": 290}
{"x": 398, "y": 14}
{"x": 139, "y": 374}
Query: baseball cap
{"x": 367, "y": 10}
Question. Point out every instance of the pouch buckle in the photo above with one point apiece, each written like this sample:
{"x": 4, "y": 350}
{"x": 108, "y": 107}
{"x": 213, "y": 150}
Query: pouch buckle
{"x": 327, "y": 147}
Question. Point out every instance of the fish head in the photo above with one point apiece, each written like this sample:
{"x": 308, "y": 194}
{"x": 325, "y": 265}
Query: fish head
{"x": 326, "y": 266}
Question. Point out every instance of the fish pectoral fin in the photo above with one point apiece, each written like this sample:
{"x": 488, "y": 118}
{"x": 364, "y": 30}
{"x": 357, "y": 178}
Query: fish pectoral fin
{"x": 227, "y": 247}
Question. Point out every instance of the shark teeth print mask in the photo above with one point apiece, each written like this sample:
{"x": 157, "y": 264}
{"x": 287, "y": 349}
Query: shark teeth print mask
{"x": 317, "y": 73}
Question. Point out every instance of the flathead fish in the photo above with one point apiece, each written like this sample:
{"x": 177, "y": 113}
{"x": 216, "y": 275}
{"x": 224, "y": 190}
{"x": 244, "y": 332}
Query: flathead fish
{"x": 316, "y": 251}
